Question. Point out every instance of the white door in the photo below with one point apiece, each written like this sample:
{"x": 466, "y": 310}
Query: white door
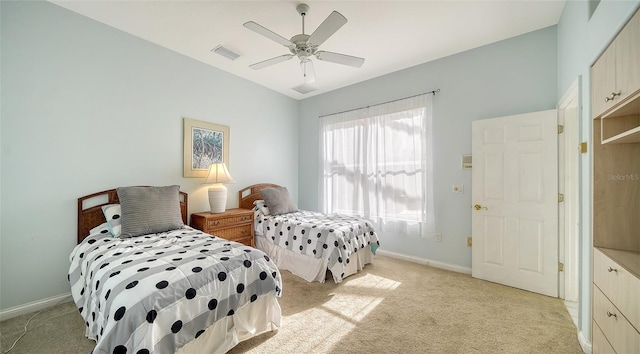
{"x": 515, "y": 201}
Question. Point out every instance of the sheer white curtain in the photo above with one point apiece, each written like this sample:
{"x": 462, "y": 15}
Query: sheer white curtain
{"x": 377, "y": 163}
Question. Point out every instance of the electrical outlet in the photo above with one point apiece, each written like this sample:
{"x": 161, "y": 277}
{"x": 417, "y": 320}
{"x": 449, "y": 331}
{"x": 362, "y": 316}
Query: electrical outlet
{"x": 438, "y": 238}
{"x": 458, "y": 188}
{"x": 469, "y": 242}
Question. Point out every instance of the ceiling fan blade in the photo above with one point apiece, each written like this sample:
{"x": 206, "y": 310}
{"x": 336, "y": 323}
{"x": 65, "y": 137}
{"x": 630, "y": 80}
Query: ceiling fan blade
{"x": 268, "y": 33}
{"x": 272, "y": 61}
{"x": 340, "y": 58}
{"x": 308, "y": 72}
{"x": 329, "y": 26}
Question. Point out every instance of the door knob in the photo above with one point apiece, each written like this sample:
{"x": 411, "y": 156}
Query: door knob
{"x": 479, "y": 207}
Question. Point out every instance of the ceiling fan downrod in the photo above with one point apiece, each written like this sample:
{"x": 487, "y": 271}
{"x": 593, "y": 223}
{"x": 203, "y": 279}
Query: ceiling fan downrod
{"x": 302, "y": 10}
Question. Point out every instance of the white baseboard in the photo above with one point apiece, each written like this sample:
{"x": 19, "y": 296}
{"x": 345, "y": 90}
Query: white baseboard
{"x": 584, "y": 343}
{"x": 34, "y": 306}
{"x": 435, "y": 264}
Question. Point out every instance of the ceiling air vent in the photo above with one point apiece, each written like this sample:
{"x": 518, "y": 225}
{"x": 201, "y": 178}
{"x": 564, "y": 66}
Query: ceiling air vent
{"x": 227, "y": 53}
{"x": 304, "y": 88}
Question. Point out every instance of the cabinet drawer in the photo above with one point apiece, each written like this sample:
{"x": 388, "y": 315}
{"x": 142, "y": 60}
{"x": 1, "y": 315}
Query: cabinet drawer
{"x": 234, "y": 233}
{"x": 615, "y": 327}
{"x": 619, "y": 285}
{"x": 600, "y": 344}
{"x": 226, "y": 221}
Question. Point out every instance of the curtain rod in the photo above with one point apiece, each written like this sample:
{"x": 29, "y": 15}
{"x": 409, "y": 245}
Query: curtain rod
{"x": 377, "y": 104}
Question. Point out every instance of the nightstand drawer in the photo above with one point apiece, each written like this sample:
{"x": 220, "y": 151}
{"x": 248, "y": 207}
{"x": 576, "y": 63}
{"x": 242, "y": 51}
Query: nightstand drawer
{"x": 233, "y": 233}
{"x": 224, "y": 222}
{"x": 234, "y": 224}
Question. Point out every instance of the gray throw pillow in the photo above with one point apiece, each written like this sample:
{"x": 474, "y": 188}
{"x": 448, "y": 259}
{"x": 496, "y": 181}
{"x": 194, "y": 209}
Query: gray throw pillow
{"x": 149, "y": 210}
{"x": 278, "y": 200}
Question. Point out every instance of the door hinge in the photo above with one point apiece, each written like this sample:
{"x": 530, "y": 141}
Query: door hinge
{"x": 560, "y": 129}
{"x": 583, "y": 147}
{"x": 560, "y": 267}
{"x": 560, "y": 197}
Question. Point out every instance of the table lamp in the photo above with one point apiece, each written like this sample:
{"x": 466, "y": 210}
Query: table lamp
{"x": 218, "y": 174}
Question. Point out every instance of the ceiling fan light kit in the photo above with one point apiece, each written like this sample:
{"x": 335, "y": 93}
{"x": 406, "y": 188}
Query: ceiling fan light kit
{"x": 305, "y": 46}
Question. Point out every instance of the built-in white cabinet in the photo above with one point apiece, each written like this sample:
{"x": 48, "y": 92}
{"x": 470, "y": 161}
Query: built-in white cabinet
{"x": 615, "y": 104}
{"x": 615, "y": 76}
{"x": 603, "y": 81}
{"x": 627, "y": 59}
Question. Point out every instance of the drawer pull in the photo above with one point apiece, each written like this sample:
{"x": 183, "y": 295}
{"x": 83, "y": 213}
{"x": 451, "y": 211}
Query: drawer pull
{"x": 612, "y": 96}
{"x": 612, "y": 270}
{"x": 609, "y": 314}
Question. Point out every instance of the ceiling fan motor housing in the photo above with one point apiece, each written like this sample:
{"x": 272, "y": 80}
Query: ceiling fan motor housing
{"x": 302, "y": 48}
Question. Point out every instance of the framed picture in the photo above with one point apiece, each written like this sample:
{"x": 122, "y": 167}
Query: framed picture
{"x": 204, "y": 143}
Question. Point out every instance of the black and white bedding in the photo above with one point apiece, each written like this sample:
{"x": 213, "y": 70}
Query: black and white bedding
{"x": 158, "y": 292}
{"x": 340, "y": 243}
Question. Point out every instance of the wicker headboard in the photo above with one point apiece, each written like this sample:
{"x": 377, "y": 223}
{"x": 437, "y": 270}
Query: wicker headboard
{"x": 92, "y": 216}
{"x": 248, "y": 195}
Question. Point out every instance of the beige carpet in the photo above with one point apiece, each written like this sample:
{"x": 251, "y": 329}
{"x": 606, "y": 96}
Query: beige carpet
{"x": 391, "y": 307}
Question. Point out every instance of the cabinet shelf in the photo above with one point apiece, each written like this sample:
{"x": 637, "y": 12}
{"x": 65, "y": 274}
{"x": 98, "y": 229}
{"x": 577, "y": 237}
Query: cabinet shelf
{"x": 621, "y": 125}
{"x": 629, "y": 136}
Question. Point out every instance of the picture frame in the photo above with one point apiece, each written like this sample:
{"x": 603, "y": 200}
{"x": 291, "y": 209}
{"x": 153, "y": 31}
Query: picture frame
{"x": 204, "y": 143}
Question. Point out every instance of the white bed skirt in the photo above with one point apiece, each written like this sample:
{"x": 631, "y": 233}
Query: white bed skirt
{"x": 309, "y": 268}
{"x": 255, "y": 318}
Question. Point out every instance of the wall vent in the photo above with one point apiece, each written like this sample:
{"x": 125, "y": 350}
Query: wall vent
{"x": 225, "y": 52}
{"x": 304, "y": 88}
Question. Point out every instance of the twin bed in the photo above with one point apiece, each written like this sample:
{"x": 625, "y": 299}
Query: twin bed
{"x": 177, "y": 289}
{"x": 310, "y": 244}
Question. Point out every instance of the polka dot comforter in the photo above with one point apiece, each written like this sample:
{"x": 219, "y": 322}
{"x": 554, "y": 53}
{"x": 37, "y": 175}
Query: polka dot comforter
{"x": 330, "y": 237}
{"x": 155, "y": 293}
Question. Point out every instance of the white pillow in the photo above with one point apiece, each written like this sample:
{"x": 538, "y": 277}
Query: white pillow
{"x": 112, "y": 214}
{"x": 261, "y": 207}
{"x": 100, "y": 229}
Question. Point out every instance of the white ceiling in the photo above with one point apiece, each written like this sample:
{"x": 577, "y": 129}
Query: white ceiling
{"x": 390, "y": 35}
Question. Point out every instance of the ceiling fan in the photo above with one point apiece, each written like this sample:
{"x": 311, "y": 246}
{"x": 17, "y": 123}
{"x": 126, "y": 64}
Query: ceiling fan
{"x": 304, "y": 46}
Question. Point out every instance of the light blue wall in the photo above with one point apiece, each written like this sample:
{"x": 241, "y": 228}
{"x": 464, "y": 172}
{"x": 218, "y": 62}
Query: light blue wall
{"x": 86, "y": 107}
{"x": 581, "y": 40}
{"x": 517, "y": 75}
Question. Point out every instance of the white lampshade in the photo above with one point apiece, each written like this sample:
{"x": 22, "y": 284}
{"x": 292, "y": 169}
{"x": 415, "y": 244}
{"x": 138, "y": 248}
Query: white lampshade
{"x": 218, "y": 174}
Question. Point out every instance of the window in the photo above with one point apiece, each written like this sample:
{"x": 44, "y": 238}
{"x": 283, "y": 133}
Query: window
{"x": 377, "y": 164}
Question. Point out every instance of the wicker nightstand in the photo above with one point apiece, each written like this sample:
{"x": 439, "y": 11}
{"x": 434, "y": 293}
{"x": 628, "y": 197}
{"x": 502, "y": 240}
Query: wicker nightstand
{"x": 233, "y": 224}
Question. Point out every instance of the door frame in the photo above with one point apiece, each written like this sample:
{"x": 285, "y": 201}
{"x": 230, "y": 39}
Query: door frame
{"x": 569, "y": 211}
